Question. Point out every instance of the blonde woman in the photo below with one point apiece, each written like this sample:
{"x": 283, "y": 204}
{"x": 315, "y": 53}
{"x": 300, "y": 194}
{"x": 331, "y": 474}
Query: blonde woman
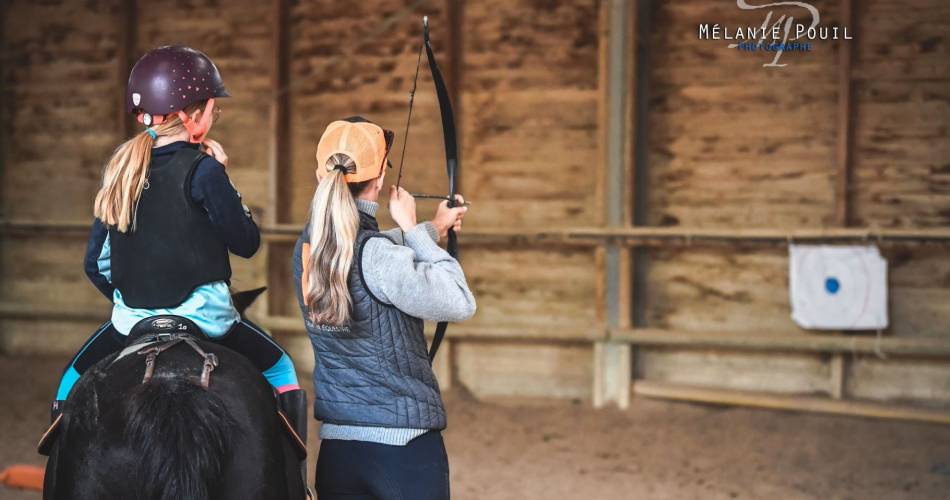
{"x": 167, "y": 217}
{"x": 364, "y": 294}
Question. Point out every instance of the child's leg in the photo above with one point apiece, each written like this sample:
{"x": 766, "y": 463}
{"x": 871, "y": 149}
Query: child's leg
{"x": 269, "y": 357}
{"x": 105, "y": 341}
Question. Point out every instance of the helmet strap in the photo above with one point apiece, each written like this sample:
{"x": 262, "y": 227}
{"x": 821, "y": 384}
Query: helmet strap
{"x": 198, "y": 130}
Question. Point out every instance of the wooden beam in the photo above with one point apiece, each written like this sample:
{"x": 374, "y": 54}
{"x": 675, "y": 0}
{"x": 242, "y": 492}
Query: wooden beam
{"x": 280, "y": 175}
{"x": 462, "y": 331}
{"x": 843, "y": 153}
{"x": 455, "y": 12}
{"x": 125, "y": 55}
{"x": 612, "y": 361}
{"x": 6, "y": 93}
{"x": 279, "y": 171}
{"x": 32, "y": 311}
{"x": 804, "y": 342}
{"x": 585, "y": 236}
{"x": 782, "y": 402}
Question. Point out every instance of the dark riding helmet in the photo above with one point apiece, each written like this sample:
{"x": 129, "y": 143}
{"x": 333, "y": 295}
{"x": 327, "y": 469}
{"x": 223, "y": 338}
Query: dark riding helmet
{"x": 168, "y": 79}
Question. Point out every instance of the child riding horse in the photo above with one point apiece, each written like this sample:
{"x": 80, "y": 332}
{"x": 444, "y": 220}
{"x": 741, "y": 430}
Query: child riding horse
{"x": 167, "y": 217}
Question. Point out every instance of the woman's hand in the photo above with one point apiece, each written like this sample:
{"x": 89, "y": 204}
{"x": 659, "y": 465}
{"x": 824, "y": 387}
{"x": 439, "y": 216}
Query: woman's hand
{"x": 213, "y": 149}
{"x": 449, "y": 218}
{"x": 402, "y": 208}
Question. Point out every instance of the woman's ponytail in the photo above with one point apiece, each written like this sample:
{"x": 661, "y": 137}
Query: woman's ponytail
{"x": 334, "y": 222}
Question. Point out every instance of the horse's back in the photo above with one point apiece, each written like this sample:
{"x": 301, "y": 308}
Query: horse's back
{"x": 170, "y": 437}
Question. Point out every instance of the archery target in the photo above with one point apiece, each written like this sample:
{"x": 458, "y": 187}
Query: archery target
{"x": 838, "y": 287}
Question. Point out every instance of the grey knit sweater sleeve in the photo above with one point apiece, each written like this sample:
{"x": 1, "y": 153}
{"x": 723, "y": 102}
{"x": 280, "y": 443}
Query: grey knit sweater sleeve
{"x": 419, "y": 278}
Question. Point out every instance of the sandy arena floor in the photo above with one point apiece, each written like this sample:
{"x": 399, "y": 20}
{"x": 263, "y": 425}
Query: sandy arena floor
{"x": 529, "y": 450}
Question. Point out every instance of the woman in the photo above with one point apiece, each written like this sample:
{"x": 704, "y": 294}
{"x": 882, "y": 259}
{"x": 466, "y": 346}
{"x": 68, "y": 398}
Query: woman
{"x": 364, "y": 295}
{"x": 166, "y": 218}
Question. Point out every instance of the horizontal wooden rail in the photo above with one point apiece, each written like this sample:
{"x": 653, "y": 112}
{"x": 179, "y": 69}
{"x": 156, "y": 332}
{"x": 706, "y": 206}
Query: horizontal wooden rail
{"x": 593, "y": 236}
{"x": 466, "y": 332}
{"x": 663, "y": 390}
{"x": 31, "y": 311}
{"x": 803, "y": 342}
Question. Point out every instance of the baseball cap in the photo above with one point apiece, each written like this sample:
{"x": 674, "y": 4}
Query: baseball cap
{"x": 366, "y": 143}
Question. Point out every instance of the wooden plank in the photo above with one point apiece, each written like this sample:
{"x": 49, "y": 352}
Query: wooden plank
{"x": 795, "y": 403}
{"x": 454, "y": 73}
{"x": 590, "y": 236}
{"x": 897, "y": 346}
{"x": 837, "y": 380}
{"x": 469, "y": 332}
{"x": 935, "y": 347}
{"x": 613, "y": 364}
{"x": 442, "y": 365}
{"x": 844, "y": 130}
{"x": 125, "y": 57}
{"x": 6, "y": 93}
{"x": 908, "y": 380}
{"x": 524, "y": 370}
{"x": 278, "y": 210}
{"x": 279, "y": 172}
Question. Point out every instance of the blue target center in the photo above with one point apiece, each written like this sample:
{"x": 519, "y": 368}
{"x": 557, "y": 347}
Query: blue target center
{"x": 832, "y": 285}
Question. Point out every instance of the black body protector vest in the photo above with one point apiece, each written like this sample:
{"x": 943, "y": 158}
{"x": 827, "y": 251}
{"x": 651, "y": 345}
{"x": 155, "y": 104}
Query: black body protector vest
{"x": 172, "y": 247}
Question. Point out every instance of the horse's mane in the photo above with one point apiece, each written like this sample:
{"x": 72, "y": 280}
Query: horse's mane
{"x": 182, "y": 432}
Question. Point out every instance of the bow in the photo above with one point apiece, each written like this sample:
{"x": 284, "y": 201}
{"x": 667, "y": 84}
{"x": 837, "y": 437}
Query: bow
{"x": 451, "y": 150}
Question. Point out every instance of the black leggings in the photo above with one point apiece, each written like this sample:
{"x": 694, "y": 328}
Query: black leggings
{"x": 245, "y": 337}
{"x": 358, "y": 470}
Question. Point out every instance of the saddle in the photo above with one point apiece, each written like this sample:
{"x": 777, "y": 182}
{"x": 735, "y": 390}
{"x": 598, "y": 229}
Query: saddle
{"x": 157, "y": 334}
{"x": 151, "y": 337}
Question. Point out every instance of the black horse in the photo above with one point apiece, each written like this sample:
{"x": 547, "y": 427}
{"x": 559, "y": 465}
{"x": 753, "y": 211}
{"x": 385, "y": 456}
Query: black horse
{"x": 170, "y": 437}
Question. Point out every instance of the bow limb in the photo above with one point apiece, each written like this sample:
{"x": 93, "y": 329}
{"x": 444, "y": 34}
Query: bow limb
{"x": 451, "y": 159}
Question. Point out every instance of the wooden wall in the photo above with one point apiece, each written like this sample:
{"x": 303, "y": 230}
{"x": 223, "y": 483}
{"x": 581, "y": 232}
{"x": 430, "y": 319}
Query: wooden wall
{"x": 732, "y": 145}
{"x": 714, "y": 141}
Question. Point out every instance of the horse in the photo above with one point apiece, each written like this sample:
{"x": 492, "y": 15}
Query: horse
{"x": 174, "y": 430}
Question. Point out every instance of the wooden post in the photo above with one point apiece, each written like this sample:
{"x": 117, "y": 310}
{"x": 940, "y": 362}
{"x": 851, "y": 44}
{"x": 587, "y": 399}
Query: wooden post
{"x": 845, "y": 122}
{"x": 279, "y": 171}
{"x": 836, "y": 388}
{"x": 4, "y": 93}
{"x": 843, "y": 156}
{"x": 442, "y": 365}
{"x": 278, "y": 164}
{"x": 612, "y": 361}
{"x": 125, "y": 55}
{"x": 613, "y": 365}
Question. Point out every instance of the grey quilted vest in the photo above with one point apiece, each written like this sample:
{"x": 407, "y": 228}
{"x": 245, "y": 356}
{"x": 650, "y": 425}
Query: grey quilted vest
{"x": 376, "y": 371}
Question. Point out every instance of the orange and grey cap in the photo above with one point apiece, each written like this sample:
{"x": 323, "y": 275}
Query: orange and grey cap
{"x": 366, "y": 143}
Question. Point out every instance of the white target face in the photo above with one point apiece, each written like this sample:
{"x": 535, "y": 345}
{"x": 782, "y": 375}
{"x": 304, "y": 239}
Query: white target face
{"x": 838, "y": 287}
